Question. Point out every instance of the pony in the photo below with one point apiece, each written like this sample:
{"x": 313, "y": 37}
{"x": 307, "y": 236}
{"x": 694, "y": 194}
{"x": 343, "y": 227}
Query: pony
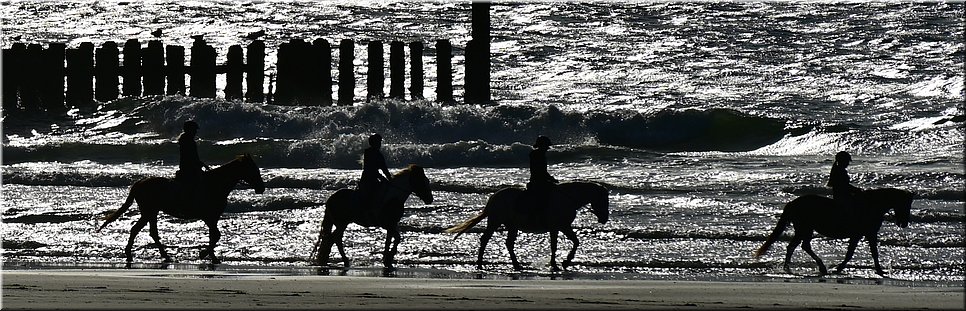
{"x": 813, "y": 213}
{"x": 343, "y": 207}
{"x": 502, "y": 209}
{"x": 158, "y": 194}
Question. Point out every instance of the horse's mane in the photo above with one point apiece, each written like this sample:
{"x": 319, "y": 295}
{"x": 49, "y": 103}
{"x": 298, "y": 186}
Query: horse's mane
{"x": 410, "y": 168}
{"x": 238, "y": 159}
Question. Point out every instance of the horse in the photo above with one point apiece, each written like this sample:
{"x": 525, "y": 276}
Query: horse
{"x": 813, "y": 213}
{"x": 158, "y": 194}
{"x": 343, "y": 208}
{"x": 502, "y": 209}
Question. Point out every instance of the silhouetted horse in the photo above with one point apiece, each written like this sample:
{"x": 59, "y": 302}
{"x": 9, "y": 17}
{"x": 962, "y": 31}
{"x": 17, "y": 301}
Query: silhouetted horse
{"x": 813, "y": 213}
{"x": 501, "y": 209}
{"x": 158, "y": 194}
{"x": 343, "y": 208}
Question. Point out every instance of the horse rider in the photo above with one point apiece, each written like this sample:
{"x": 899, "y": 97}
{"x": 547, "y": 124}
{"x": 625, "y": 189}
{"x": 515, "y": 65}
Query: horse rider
{"x": 189, "y": 163}
{"x": 541, "y": 182}
{"x": 375, "y": 173}
{"x": 843, "y": 192}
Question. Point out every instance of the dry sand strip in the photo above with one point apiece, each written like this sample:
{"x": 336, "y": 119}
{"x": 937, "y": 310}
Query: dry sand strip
{"x": 166, "y": 289}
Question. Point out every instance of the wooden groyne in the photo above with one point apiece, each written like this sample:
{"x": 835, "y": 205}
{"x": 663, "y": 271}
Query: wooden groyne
{"x": 54, "y": 79}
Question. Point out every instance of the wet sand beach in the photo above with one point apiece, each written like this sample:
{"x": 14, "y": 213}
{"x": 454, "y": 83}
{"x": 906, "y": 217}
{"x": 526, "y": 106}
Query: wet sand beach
{"x": 176, "y": 289}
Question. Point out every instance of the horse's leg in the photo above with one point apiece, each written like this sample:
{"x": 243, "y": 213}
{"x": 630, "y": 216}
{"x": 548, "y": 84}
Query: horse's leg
{"x": 853, "y": 242}
{"x": 134, "y": 233}
{"x": 337, "y": 236}
{"x": 324, "y": 245}
{"x": 874, "y": 248}
{"x": 392, "y": 237}
{"x": 570, "y": 234}
{"x": 807, "y": 246}
{"x": 157, "y": 239}
{"x": 553, "y": 251}
{"x": 511, "y": 238}
{"x": 485, "y": 238}
{"x": 213, "y": 236}
{"x": 792, "y": 245}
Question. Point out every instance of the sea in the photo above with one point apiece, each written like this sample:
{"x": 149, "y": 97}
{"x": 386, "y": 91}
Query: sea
{"x": 703, "y": 119}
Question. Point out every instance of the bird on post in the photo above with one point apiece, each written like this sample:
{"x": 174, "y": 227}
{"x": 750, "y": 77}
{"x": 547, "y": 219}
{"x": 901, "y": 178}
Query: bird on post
{"x": 255, "y": 35}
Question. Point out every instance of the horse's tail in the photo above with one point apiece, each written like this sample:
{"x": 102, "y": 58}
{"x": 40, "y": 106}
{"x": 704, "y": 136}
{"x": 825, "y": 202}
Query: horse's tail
{"x": 466, "y": 225}
{"x": 323, "y": 243}
{"x": 783, "y": 222}
{"x": 117, "y": 214}
{"x": 324, "y": 230}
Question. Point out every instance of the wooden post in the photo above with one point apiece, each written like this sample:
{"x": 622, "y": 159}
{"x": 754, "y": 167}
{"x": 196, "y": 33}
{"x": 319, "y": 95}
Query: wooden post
{"x": 416, "y": 70}
{"x": 471, "y": 73}
{"x": 444, "y": 71}
{"x": 80, "y": 76}
{"x": 255, "y": 69}
{"x": 106, "y": 69}
{"x": 323, "y": 71}
{"x": 132, "y": 68}
{"x": 397, "y": 68}
{"x": 12, "y": 77}
{"x": 233, "y": 73}
{"x": 376, "y": 75}
{"x": 347, "y": 83}
{"x": 284, "y": 70}
{"x": 175, "y": 70}
{"x": 30, "y": 86}
{"x": 152, "y": 65}
{"x": 478, "y": 55}
{"x": 303, "y": 77}
{"x": 202, "y": 69}
{"x": 52, "y": 79}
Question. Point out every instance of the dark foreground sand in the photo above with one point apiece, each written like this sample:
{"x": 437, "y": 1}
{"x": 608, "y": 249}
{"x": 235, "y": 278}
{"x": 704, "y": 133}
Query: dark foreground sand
{"x": 168, "y": 289}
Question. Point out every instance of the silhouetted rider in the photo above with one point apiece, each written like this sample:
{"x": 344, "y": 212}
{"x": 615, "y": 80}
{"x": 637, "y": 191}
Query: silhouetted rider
{"x": 373, "y": 168}
{"x": 189, "y": 163}
{"x": 540, "y": 186}
{"x": 540, "y": 178}
{"x": 843, "y": 192}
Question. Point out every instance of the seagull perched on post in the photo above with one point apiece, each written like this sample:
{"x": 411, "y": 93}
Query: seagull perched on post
{"x": 255, "y": 35}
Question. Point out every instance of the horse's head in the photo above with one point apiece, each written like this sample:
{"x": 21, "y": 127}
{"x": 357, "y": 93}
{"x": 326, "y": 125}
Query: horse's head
{"x": 592, "y": 193}
{"x": 250, "y": 173}
{"x": 600, "y": 203}
{"x": 903, "y": 208}
{"x": 420, "y": 184}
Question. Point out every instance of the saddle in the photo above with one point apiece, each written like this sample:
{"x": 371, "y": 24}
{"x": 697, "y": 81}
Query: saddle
{"x": 371, "y": 202}
{"x": 849, "y": 209}
{"x": 187, "y": 192}
{"x": 537, "y": 203}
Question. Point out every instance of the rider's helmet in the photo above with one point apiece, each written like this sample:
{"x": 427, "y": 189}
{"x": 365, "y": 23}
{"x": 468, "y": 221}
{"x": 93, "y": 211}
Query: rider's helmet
{"x": 375, "y": 139}
{"x": 542, "y": 142}
{"x": 843, "y": 157}
{"x": 190, "y": 125}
